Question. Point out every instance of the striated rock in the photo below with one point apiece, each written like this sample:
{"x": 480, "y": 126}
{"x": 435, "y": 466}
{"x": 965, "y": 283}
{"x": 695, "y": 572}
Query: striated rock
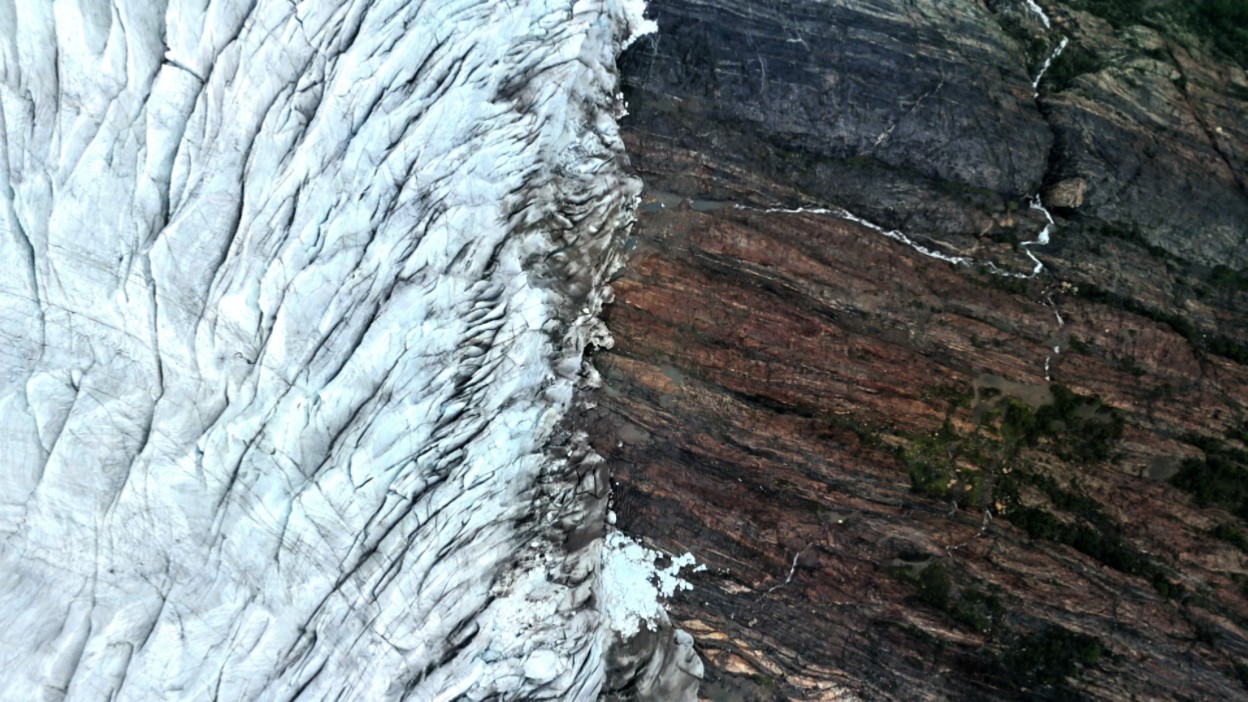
{"x": 782, "y": 367}
{"x": 853, "y": 427}
{"x": 879, "y": 105}
{"x": 1151, "y": 125}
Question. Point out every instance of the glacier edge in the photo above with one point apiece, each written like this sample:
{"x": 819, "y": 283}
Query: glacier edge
{"x": 299, "y": 296}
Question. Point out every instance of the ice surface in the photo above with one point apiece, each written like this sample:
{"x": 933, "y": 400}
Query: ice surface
{"x": 295, "y": 295}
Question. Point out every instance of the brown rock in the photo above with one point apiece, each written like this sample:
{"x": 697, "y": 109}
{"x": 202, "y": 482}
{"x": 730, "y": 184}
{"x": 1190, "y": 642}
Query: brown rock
{"x": 815, "y": 411}
{"x": 1066, "y": 194}
{"x": 814, "y": 353}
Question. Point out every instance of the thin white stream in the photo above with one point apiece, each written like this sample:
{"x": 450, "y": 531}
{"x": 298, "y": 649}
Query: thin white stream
{"x": 1039, "y": 12}
{"x": 1044, "y": 68}
{"x": 893, "y": 234}
{"x": 1036, "y": 203}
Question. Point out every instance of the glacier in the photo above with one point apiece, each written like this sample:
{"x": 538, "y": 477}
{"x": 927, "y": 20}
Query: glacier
{"x": 297, "y": 298}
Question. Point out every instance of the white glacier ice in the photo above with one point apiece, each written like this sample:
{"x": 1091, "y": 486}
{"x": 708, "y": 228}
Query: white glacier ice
{"x": 296, "y": 296}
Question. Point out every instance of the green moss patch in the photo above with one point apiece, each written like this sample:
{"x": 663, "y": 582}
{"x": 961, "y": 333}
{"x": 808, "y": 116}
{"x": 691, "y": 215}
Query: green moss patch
{"x": 1052, "y": 656}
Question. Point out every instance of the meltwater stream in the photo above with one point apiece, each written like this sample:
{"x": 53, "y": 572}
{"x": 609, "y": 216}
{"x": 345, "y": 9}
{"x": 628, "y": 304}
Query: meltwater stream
{"x": 1036, "y": 203}
{"x": 296, "y": 296}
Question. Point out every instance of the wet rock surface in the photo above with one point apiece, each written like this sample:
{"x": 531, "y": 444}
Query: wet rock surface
{"x": 910, "y": 479}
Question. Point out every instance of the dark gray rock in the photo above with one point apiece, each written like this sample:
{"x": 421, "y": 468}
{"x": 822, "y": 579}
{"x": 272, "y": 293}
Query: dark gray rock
{"x": 874, "y": 106}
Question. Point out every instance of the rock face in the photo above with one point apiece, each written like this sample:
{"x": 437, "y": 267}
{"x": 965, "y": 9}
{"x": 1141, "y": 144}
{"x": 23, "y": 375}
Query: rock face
{"x": 1157, "y": 131}
{"x": 843, "y": 98}
{"x": 911, "y": 479}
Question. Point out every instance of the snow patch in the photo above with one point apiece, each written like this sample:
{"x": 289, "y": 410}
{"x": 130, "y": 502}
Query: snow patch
{"x": 634, "y": 587}
{"x": 635, "y": 20}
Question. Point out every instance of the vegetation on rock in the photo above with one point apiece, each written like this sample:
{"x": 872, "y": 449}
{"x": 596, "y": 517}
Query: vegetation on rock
{"x": 1222, "y": 23}
{"x": 1220, "y": 478}
{"x": 1049, "y": 657}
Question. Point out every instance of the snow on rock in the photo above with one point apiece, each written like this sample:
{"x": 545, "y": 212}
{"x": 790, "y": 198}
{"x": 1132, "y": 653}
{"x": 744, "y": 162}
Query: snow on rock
{"x": 648, "y": 659}
{"x": 635, "y": 20}
{"x": 634, "y": 587}
{"x": 296, "y": 294}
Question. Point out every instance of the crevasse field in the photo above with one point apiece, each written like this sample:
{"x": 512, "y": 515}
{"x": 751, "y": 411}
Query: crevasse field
{"x": 294, "y": 298}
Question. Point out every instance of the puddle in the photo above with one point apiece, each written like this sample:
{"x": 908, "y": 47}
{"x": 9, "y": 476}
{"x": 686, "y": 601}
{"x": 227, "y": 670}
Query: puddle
{"x": 658, "y": 200}
{"x": 1034, "y": 395}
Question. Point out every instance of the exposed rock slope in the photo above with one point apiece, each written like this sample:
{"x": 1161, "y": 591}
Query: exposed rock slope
{"x": 859, "y": 440}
